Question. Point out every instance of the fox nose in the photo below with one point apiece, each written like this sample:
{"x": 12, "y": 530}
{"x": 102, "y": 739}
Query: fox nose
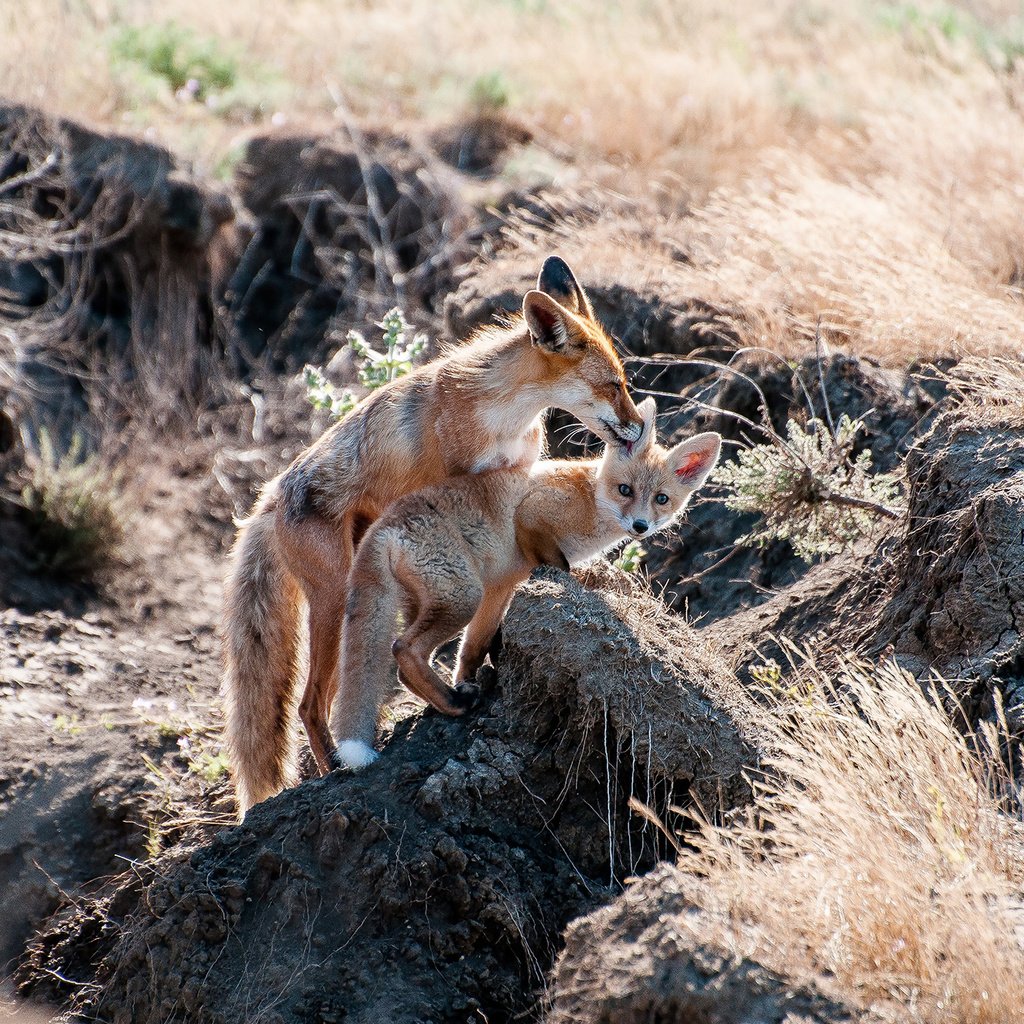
{"x": 640, "y": 526}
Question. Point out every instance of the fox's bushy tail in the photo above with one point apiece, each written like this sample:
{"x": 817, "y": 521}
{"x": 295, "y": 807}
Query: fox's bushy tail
{"x": 368, "y": 672}
{"x": 264, "y": 650}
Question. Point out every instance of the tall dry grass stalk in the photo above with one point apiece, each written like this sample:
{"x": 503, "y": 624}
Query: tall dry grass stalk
{"x": 883, "y": 855}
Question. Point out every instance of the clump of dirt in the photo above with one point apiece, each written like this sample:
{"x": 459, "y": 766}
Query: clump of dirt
{"x": 342, "y": 225}
{"x": 436, "y": 884}
{"x": 478, "y": 144}
{"x": 653, "y": 954}
{"x": 110, "y": 270}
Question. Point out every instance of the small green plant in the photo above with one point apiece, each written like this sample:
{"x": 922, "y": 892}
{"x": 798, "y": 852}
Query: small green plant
{"x": 70, "y": 725}
{"x": 630, "y": 557}
{"x": 178, "y": 57}
{"x": 489, "y": 92}
{"x": 74, "y": 509}
{"x": 376, "y": 367}
{"x": 809, "y": 488}
{"x": 768, "y": 676}
{"x": 211, "y": 768}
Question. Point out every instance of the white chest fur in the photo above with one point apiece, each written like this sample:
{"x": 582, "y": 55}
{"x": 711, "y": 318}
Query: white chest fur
{"x": 515, "y": 439}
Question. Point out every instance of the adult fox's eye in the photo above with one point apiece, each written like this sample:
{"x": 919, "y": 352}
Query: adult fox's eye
{"x": 625, "y": 490}
{"x": 661, "y": 499}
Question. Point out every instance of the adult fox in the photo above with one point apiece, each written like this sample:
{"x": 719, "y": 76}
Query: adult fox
{"x": 477, "y": 408}
{"x": 452, "y": 555}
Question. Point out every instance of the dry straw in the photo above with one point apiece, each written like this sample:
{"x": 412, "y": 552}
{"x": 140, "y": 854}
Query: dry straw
{"x": 883, "y": 853}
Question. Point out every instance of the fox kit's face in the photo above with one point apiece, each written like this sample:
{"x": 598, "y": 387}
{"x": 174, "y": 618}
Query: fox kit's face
{"x": 645, "y": 486}
{"x": 583, "y": 369}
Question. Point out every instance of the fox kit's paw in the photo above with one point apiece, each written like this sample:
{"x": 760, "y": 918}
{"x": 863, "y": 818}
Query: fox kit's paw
{"x": 354, "y": 754}
{"x": 465, "y": 695}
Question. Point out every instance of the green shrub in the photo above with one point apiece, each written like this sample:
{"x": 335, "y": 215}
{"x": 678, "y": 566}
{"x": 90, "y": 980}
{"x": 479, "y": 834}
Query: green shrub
{"x": 375, "y": 367}
{"x": 630, "y": 557}
{"x": 808, "y": 488}
{"x": 73, "y": 508}
{"x": 177, "y": 56}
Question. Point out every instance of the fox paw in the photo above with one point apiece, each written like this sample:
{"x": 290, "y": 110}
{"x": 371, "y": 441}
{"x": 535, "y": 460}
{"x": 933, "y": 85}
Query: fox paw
{"x": 354, "y": 754}
{"x": 465, "y": 695}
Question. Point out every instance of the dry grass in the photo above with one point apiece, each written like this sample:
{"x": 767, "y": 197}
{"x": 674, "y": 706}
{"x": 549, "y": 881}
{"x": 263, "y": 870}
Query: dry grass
{"x": 883, "y": 858}
{"x": 993, "y": 387}
{"x": 855, "y": 165}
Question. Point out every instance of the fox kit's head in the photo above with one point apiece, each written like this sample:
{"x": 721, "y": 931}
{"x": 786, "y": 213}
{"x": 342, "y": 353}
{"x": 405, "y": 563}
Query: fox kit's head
{"x": 582, "y": 367}
{"x": 645, "y": 486}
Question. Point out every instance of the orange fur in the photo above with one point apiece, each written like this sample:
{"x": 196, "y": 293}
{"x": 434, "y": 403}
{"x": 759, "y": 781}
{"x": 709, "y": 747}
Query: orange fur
{"x": 451, "y": 556}
{"x": 477, "y": 408}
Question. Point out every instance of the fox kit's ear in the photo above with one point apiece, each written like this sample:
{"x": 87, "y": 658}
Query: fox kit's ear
{"x": 558, "y": 281}
{"x": 648, "y": 410}
{"x": 693, "y": 459}
{"x": 547, "y": 321}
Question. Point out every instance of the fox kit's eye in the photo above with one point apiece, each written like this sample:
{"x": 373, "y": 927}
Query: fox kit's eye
{"x": 625, "y": 490}
{"x": 661, "y": 499}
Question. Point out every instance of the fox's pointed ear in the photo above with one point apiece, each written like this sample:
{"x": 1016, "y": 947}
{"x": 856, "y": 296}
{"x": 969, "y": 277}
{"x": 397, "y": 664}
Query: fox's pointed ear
{"x": 693, "y": 459}
{"x": 648, "y": 410}
{"x": 547, "y": 321}
{"x": 558, "y": 281}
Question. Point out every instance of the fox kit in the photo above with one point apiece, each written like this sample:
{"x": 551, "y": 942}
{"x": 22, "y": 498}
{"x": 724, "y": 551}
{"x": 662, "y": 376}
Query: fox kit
{"x": 452, "y": 555}
{"x": 478, "y": 408}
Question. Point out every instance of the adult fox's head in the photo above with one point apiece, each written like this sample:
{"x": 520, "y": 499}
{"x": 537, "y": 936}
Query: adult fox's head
{"x": 582, "y": 367}
{"x": 644, "y": 488}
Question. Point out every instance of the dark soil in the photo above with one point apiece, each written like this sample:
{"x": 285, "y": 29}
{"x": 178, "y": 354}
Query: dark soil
{"x": 654, "y": 954}
{"x": 461, "y": 855}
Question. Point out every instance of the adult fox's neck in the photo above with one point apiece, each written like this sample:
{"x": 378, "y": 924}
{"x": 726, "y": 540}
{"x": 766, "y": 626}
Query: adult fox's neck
{"x": 498, "y": 363}
{"x": 495, "y": 390}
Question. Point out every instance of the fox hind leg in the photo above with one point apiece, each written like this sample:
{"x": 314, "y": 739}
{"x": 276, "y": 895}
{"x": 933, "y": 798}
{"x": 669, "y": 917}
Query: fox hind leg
{"x": 438, "y": 621}
{"x": 319, "y": 553}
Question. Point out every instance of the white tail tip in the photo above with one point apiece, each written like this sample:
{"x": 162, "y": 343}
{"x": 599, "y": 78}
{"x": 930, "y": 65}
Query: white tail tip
{"x": 356, "y": 753}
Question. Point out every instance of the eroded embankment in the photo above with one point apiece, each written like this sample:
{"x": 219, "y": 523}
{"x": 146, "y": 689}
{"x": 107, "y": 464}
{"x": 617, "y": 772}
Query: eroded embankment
{"x": 440, "y": 880}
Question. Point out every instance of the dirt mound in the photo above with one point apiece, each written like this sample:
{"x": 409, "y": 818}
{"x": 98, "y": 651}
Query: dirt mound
{"x": 478, "y": 144}
{"x": 437, "y": 883}
{"x": 111, "y": 259}
{"x": 343, "y": 225}
{"x": 654, "y": 954}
